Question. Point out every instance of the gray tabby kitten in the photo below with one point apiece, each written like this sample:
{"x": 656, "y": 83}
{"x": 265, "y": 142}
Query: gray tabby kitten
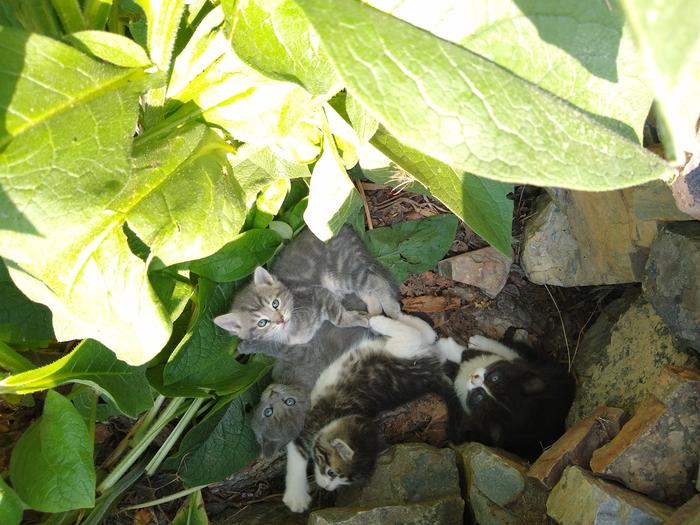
{"x": 305, "y": 287}
{"x": 378, "y": 374}
{"x": 279, "y": 417}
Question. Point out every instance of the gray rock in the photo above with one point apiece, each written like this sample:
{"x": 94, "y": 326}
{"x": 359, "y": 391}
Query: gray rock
{"x": 654, "y": 201}
{"x": 656, "y": 452}
{"x": 406, "y": 473}
{"x": 569, "y": 241}
{"x": 261, "y": 514}
{"x": 671, "y": 279}
{"x": 486, "y": 268}
{"x": 620, "y": 357}
{"x": 497, "y": 489}
{"x": 443, "y": 511}
{"x": 581, "y": 499}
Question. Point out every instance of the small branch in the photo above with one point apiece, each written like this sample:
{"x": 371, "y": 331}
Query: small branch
{"x": 361, "y": 189}
{"x": 164, "y": 499}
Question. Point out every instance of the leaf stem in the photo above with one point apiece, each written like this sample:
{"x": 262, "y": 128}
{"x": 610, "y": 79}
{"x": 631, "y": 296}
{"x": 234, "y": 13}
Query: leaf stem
{"x": 140, "y": 447}
{"x": 165, "y": 499}
{"x": 174, "y": 436}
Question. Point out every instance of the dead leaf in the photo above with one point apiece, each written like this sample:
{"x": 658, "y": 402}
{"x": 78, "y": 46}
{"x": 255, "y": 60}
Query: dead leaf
{"x": 144, "y": 517}
{"x": 430, "y": 304}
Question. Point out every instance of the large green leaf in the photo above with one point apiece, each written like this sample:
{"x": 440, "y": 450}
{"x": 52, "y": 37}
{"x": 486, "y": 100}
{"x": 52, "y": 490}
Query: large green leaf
{"x": 332, "y": 195}
{"x": 466, "y": 111}
{"x": 249, "y": 106}
{"x": 116, "y": 49}
{"x": 11, "y": 508}
{"x": 669, "y": 43}
{"x": 479, "y": 202}
{"x": 22, "y": 322}
{"x": 62, "y": 247}
{"x": 239, "y": 258}
{"x": 412, "y": 246}
{"x": 206, "y": 357}
{"x": 51, "y": 465}
{"x": 220, "y": 444}
{"x": 275, "y": 38}
{"x": 90, "y": 364}
{"x": 581, "y": 52}
{"x": 182, "y": 200}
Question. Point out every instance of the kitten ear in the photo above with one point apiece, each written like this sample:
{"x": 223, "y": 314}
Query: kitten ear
{"x": 229, "y": 322}
{"x": 343, "y": 449}
{"x": 533, "y": 385}
{"x": 262, "y": 276}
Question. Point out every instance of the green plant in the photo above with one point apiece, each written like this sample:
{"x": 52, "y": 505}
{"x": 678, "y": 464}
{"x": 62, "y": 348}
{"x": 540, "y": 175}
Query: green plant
{"x": 152, "y": 153}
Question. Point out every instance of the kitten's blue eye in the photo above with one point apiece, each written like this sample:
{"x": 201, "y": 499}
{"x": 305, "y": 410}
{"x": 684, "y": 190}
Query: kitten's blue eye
{"x": 268, "y": 412}
{"x": 331, "y": 473}
{"x": 263, "y": 323}
{"x": 495, "y": 377}
{"x": 276, "y": 304}
{"x": 290, "y": 401}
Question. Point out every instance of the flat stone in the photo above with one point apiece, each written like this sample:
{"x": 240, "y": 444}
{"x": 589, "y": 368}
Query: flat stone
{"x": 422, "y": 420}
{"x": 486, "y": 268}
{"x": 497, "y": 489}
{"x": 569, "y": 241}
{"x": 620, "y": 357}
{"x": 671, "y": 279}
{"x": 581, "y": 499}
{"x": 688, "y": 514}
{"x": 406, "y": 473}
{"x": 261, "y": 514}
{"x": 578, "y": 444}
{"x": 656, "y": 452}
{"x": 654, "y": 201}
{"x": 448, "y": 511}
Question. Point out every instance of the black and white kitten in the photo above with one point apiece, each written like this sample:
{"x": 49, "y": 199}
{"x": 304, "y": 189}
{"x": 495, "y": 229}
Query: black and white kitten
{"x": 512, "y": 399}
{"x": 305, "y": 288}
{"x": 279, "y": 416}
{"x": 379, "y": 374}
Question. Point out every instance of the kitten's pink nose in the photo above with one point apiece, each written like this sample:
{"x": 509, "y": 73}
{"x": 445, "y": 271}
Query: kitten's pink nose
{"x": 476, "y": 379}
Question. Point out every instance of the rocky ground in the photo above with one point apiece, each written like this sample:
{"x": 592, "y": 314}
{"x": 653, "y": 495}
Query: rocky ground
{"x": 606, "y": 283}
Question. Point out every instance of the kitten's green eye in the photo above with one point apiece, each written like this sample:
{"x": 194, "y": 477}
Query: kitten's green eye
{"x": 268, "y": 412}
{"x": 478, "y": 396}
{"x": 495, "y": 378}
{"x": 290, "y": 401}
{"x": 276, "y": 304}
{"x": 263, "y": 323}
{"x": 331, "y": 473}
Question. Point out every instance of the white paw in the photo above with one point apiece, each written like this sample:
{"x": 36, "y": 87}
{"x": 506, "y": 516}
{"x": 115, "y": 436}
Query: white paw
{"x": 479, "y": 342}
{"x": 382, "y": 325}
{"x": 297, "y": 501}
{"x": 450, "y": 349}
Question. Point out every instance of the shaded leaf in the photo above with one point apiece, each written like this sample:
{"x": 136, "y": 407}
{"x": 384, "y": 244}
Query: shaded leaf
{"x": 412, "y": 246}
{"x": 13, "y": 361}
{"x": 239, "y": 258}
{"x": 22, "y": 322}
{"x": 11, "y": 508}
{"x": 479, "y": 202}
{"x": 51, "y": 465}
{"x": 94, "y": 365}
{"x": 220, "y": 444}
{"x": 482, "y": 118}
{"x": 206, "y": 356}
